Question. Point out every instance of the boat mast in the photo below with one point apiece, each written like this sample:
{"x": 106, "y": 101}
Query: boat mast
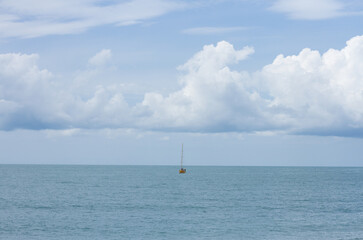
{"x": 181, "y": 161}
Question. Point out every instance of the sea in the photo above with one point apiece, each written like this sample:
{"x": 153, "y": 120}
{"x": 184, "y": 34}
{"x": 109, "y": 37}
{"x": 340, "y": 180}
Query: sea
{"x": 156, "y": 202}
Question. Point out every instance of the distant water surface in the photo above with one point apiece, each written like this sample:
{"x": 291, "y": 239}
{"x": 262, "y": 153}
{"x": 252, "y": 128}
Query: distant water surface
{"x": 155, "y": 202}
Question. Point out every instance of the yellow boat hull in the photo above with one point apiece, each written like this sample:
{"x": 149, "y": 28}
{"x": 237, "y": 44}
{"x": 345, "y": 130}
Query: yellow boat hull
{"x": 182, "y": 171}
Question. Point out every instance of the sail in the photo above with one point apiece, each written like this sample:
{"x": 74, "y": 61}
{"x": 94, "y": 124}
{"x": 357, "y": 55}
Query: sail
{"x": 181, "y": 161}
{"x": 182, "y": 170}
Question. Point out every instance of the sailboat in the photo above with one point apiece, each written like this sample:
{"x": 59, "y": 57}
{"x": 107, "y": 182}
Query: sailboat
{"x": 182, "y": 170}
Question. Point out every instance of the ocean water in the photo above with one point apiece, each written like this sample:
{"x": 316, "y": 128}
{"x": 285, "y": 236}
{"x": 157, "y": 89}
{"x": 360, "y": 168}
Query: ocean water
{"x": 155, "y": 202}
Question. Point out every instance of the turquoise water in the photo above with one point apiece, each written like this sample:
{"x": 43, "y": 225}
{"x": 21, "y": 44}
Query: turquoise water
{"x": 147, "y": 202}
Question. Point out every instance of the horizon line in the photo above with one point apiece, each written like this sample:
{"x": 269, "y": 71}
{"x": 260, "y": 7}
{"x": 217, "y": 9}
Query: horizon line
{"x": 176, "y": 165}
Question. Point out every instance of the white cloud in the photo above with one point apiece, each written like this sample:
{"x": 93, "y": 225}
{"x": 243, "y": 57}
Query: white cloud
{"x": 100, "y": 58}
{"x": 27, "y": 19}
{"x": 307, "y": 93}
{"x": 319, "y": 92}
{"x": 210, "y": 95}
{"x": 165, "y": 138}
{"x": 31, "y": 98}
{"x": 309, "y": 9}
{"x": 212, "y": 30}
{"x": 310, "y": 93}
{"x": 23, "y": 91}
{"x": 62, "y": 133}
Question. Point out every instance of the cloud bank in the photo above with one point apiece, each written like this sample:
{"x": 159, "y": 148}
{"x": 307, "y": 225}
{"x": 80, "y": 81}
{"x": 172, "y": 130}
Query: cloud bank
{"x": 307, "y": 93}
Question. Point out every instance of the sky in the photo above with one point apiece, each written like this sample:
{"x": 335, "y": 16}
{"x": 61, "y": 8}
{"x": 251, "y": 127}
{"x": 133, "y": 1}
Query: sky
{"x": 239, "y": 82}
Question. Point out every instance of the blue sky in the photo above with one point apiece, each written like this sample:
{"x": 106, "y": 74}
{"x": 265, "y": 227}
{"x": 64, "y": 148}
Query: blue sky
{"x": 126, "y": 82}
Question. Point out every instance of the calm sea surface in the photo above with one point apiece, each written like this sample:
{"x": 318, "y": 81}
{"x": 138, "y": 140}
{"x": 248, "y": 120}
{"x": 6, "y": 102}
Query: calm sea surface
{"x": 147, "y": 202}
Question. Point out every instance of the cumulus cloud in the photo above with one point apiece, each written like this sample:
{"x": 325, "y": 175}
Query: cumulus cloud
{"x": 319, "y": 93}
{"x": 30, "y": 98}
{"x": 309, "y": 9}
{"x": 308, "y": 93}
{"x": 213, "y": 96}
{"x": 23, "y": 90}
{"x": 27, "y": 19}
